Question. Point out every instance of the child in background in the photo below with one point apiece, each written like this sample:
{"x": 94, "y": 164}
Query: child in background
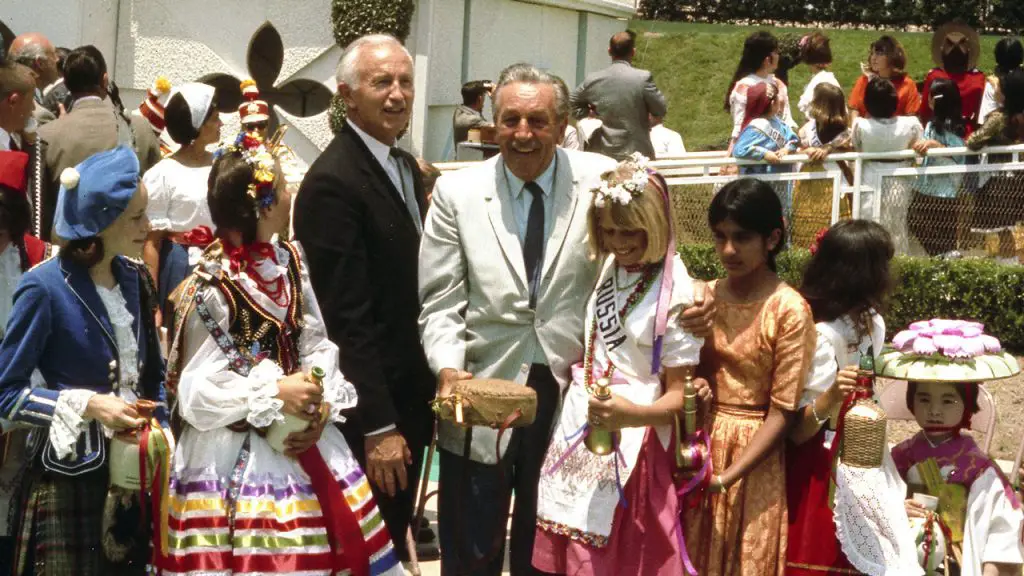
{"x": 757, "y": 66}
{"x": 817, "y": 54}
{"x": 764, "y": 135}
{"x": 826, "y": 132}
{"x": 883, "y": 131}
{"x": 937, "y": 210}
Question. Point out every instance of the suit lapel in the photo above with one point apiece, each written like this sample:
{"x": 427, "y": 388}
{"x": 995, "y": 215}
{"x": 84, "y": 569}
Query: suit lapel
{"x": 566, "y": 197}
{"x": 81, "y": 285}
{"x": 503, "y": 220}
{"x": 375, "y": 171}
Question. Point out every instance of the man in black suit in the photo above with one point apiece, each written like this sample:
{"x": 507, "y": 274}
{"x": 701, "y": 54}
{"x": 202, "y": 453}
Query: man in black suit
{"x": 359, "y": 215}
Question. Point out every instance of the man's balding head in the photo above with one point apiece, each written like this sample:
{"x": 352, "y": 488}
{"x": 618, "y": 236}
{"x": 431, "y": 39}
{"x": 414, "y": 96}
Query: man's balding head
{"x": 622, "y": 46}
{"x": 37, "y": 52}
{"x": 16, "y": 103}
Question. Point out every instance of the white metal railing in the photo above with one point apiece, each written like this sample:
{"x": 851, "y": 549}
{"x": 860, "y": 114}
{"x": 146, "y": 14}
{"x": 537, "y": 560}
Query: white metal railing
{"x": 694, "y": 177}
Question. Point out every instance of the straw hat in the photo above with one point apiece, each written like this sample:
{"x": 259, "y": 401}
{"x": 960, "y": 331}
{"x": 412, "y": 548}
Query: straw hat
{"x": 953, "y": 34}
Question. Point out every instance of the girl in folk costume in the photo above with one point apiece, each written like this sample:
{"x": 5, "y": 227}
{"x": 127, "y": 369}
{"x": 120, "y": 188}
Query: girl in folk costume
{"x": 757, "y": 360}
{"x": 247, "y": 496}
{"x": 757, "y": 65}
{"x": 178, "y": 212}
{"x": 944, "y": 362}
{"x": 617, "y": 513}
{"x": 84, "y": 320}
{"x": 764, "y": 136}
{"x": 18, "y": 252}
{"x": 845, "y": 283}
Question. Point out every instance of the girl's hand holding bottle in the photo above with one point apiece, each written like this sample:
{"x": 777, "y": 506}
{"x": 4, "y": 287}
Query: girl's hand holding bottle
{"x": 301, "y": 396}
{"x": 614, "y": 413}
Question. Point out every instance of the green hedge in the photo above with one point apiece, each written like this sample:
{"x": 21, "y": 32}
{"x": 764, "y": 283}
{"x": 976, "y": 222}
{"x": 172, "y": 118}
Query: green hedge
{"x": 926, "y": 288}
{"x": 992, "y": 15}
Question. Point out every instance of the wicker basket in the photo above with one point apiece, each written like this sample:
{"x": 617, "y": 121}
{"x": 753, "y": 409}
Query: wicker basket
{"x": 487, "y": 402}
{"x": 864, "y": 435}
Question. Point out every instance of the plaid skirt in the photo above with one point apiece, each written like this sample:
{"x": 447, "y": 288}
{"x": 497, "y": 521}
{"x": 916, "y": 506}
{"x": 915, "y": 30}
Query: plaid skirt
{"x": 61, "y": 529}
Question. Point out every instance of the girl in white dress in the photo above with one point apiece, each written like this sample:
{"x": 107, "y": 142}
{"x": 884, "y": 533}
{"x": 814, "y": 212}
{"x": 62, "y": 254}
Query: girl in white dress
{"x": 618, "y": 513}
{"x": 248, "y": 336}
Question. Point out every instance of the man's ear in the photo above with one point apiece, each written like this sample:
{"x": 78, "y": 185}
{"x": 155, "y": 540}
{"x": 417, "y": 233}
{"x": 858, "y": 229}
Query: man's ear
{"x": 345, "y": 91}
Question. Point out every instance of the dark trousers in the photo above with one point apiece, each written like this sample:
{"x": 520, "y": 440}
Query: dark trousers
{"x": 396, "y": 511}
{"x": 473, "y": 498}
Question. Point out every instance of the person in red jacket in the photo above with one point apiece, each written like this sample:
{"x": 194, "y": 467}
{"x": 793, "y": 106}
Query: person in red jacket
{"x": 955, "y": 51}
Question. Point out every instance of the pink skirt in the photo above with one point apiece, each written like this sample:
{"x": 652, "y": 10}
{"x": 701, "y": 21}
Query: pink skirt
{"x": 643, "y": 538}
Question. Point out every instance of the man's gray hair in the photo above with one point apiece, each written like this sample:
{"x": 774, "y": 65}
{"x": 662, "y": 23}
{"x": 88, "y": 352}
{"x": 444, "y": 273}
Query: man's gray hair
{"x": 27, "y": 54}
{"x": 347, "y": 71}
{"x": 530, "y": 74}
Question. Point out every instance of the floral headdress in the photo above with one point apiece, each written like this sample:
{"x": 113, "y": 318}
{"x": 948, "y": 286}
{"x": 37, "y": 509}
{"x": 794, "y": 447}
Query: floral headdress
{"x": 942, "y": 350}
{"x": 625, "y": 182}
{"x": 260, "y": 155}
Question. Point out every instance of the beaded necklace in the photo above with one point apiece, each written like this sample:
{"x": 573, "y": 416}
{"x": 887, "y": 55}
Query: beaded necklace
{"x": 635, "y": 297}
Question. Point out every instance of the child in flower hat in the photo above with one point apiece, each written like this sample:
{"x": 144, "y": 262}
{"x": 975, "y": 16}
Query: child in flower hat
{"x": 944, "y": 362}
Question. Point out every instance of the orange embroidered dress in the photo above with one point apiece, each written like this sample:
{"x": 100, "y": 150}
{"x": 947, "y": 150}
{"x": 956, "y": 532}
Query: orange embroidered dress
{"x": 758, "y": 355}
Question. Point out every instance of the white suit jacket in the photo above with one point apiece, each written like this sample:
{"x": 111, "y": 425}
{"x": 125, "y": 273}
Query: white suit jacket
{"x": 475, "y": 313}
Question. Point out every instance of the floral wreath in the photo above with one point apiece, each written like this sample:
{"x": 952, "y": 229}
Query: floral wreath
{"x": 625, "y": 182}
{"x": 260, "y": 155}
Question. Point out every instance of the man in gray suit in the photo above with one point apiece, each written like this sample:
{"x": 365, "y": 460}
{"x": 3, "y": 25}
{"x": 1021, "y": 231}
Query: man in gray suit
{"x": 623, "y": 96}
{"x": 93, "y": 125}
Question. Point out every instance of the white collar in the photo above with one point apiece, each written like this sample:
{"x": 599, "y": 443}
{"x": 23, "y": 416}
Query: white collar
{"x": 85, "y": 98}
{"x": 380, "y": 150}
{"x": 48, "y": 89}
{"x": 546, "y": 180}
{"x": 5, "y": 140}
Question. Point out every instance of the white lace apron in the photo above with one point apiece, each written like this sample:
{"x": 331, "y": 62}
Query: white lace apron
{"x": 579, "y": 491}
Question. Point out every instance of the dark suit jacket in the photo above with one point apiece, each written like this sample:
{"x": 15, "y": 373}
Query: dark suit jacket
{"x": 362, "y": 249}
{"x": 92, "y": 126}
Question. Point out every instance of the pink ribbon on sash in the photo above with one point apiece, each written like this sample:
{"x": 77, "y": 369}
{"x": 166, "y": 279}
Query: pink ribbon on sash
{"x": 700, "y": 480}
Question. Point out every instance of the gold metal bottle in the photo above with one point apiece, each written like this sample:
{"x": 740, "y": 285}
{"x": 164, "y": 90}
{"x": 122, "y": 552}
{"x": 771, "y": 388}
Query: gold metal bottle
{"x": 600, "y": 441}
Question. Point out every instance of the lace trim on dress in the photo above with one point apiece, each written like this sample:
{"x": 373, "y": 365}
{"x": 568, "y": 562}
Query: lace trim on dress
{"x": 264, "y": 407}
{"x": 571, "y": 533}
{"x": 68, "y": 424}
{"x": 341, "y": 395}
{"x": 124, "y": 334}
{"x": 871, "y": 523}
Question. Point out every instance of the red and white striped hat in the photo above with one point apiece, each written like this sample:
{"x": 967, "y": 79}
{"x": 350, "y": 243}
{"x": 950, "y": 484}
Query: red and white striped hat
{"x": 252, "y": 110}
{"x": 152, "y": 108}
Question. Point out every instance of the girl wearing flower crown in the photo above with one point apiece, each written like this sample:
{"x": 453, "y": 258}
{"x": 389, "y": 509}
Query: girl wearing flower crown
{"x": 757, "y": 360}
{"x": 944, "y": 362}
{"x": 262, "y": 482}
{"x": 617, "y": 513}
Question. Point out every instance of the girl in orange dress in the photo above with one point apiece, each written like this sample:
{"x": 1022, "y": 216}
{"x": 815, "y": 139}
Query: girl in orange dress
{"x": 756, "y": 360}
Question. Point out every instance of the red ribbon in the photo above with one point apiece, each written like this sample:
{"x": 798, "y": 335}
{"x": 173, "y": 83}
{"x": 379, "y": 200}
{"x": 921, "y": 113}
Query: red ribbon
{"x": 242, "y": 257}
{"x": 348, "y": 547}
{"x": 200, "y": 236}
{"x": 156, "y": 484}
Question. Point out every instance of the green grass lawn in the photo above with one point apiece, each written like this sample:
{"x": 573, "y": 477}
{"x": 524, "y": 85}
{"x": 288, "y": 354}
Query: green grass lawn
{"x": 693, "y": 65}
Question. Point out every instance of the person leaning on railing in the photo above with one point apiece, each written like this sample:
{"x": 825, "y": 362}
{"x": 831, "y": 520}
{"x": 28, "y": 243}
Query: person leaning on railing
{"x": 999, "y": 201}
{"x": 937, "y": 209}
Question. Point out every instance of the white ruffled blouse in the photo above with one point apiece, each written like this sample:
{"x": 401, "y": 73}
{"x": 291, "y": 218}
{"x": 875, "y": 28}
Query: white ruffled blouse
{"x": 177, "y": 196}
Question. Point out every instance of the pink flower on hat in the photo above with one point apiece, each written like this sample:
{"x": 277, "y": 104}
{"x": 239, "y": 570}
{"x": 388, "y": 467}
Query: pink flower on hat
{"x": 952, "y": 338}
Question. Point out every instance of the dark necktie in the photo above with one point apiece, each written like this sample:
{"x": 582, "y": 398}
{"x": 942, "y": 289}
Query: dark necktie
{"x": 533, "y": 245}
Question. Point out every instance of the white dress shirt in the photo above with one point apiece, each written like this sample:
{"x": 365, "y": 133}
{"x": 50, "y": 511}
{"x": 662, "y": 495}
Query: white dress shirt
{"x": 400, "y": 175}
{"x": 667, "y": 142}
{"x": 5, "y": 140}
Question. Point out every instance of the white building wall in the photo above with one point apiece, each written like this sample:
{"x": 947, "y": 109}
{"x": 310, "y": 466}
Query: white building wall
{"x": 190, "y": 39}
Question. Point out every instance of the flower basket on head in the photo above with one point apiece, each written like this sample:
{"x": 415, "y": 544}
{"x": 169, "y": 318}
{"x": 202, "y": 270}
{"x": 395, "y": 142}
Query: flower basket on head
{"x": 946, "y": 351}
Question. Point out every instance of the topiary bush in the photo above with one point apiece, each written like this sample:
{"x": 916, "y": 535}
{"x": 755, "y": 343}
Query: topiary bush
{"x": 355, "y": 18}
{"x": 925, "y": 288}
